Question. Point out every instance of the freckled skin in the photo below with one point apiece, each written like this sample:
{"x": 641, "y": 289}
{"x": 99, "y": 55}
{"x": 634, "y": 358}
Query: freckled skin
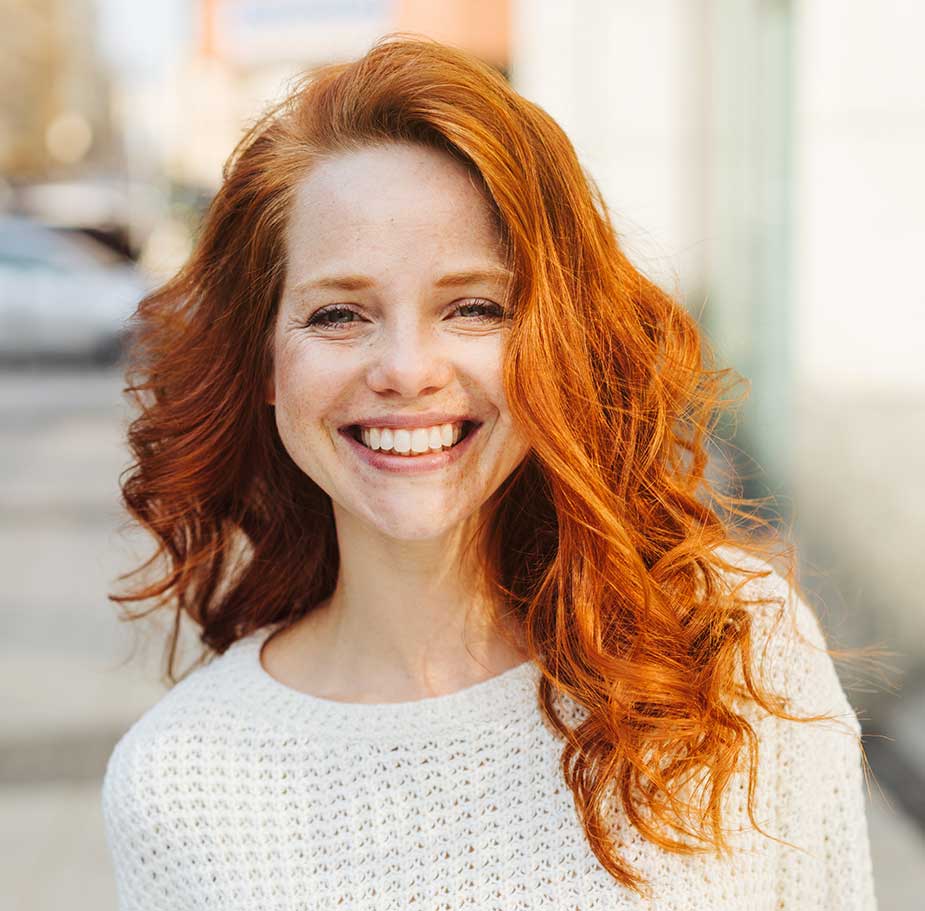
{"x": 408, "y": 615}
{"x": 403, "y": 216}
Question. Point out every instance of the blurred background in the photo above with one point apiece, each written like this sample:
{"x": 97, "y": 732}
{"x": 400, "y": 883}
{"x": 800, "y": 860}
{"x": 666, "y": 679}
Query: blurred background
{"x": 762, "y": 159}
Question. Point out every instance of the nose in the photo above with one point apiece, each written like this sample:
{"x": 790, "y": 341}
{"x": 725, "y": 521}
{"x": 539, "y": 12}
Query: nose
{"x": 408, "y": 362}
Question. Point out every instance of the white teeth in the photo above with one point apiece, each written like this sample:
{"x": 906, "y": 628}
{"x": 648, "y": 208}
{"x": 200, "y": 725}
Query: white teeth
{"x": 402, "y": 440}
{"x": 412, "y": 442}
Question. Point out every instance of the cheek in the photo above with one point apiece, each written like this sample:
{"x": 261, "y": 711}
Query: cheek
{"x": 304, "y": 378}
{"x": 300, "y": 390}
{"x": 515, "y": 441}
{"x": 482, "y": 363}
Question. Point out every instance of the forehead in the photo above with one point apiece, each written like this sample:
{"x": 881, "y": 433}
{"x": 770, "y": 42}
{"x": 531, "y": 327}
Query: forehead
{"x": 383, "y": 202}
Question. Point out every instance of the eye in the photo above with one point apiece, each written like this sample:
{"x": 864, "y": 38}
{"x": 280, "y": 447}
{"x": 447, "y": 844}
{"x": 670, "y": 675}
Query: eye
{"x": 487, "y": 311}
{"x": 330, "y": 317}
{"x": 338, "y": 315}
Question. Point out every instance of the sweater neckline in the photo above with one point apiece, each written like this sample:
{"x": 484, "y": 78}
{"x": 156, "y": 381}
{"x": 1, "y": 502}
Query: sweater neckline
{"x": 495, "y": 700}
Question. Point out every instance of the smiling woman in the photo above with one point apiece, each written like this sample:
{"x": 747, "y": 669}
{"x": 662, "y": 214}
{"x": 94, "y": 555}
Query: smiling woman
{"x": 425, "y": 458}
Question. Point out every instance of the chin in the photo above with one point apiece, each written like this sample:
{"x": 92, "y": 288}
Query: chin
{"x": 416, "y": 531}
{"x": 431, "y": 522}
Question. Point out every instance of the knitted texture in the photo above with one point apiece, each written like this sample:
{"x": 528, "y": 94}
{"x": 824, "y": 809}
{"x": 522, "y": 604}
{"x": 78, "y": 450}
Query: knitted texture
{"x": 236, "y": 792}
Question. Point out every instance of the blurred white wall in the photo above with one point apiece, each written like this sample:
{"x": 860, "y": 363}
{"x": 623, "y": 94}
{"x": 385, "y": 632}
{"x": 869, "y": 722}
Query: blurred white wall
{"x": 616, "y": 77}
{"x": 860, "y": 194}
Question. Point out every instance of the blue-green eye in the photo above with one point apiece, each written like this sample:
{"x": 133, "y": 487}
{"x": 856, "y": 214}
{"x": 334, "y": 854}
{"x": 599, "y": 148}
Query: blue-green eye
{"x": 325, "y": 318}
{"x": 339, "y": 315}
{"x": 488, "y": 309}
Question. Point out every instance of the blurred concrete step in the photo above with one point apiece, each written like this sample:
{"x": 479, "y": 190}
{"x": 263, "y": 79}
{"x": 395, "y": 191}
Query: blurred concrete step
{"x": 67, "y": 713}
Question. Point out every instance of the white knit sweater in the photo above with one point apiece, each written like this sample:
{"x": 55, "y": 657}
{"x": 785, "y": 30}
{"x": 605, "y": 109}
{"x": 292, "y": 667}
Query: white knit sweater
{"x": 236, "y": 792}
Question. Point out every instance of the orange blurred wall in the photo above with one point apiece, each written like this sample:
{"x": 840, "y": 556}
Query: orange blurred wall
{"x": 479, "y": 26}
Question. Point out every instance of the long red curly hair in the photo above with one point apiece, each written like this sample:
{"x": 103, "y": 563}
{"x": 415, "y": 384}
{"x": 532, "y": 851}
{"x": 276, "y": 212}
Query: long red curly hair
{"x": 606, "y": 543}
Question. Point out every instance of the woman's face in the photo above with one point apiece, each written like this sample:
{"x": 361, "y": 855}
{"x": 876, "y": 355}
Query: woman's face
{"x": 391, "y": 317}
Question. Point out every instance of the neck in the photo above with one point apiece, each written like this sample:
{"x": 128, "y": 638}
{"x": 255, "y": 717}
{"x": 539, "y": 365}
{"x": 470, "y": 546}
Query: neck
{"x": 407, "y": 620}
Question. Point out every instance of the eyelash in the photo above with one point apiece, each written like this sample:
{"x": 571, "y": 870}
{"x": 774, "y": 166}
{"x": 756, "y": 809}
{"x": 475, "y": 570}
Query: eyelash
{"x": 318, "y": 318}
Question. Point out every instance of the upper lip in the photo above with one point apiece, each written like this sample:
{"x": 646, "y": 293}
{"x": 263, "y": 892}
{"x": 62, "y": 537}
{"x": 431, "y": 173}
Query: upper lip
{"x": 427, "y": 419}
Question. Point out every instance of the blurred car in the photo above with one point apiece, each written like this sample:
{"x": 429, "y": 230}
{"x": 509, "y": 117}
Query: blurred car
{"x": 62, "y": 296}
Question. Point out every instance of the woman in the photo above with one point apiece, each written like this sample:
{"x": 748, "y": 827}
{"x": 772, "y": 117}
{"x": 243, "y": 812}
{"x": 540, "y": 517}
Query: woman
{"x": 425, "y": 458}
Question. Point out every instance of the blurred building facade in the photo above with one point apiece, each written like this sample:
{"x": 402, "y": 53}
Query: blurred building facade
{"x": 244, "y": 53}
{"x": 683, "y": 111}
{"x": 760, "y": 158}
{"x": 54, "y": 116}
{"x": 233, "y": 58}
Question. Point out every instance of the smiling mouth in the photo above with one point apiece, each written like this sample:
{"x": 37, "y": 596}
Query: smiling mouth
{"x": 355, "y": 431}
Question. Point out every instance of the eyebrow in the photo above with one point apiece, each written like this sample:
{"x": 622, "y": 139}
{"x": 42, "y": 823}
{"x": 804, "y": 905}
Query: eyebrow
{"x": 361, "y": 282}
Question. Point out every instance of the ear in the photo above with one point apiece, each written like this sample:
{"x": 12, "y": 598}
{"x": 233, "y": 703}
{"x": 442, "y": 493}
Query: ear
{"x": 270, "y": 390}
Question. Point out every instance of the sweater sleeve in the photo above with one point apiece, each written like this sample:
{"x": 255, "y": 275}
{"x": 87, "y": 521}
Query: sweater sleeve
{"x": 816, "y": 768}
{"x": 137, "y": 838}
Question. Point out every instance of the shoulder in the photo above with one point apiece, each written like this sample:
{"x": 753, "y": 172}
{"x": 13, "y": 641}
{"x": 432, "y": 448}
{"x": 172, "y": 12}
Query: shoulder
{"x": 197, "y": 716}
{"x": 789, "y": 649}
{"x": 209, "y": 691}
{"x": 780, "y": 614}
{"x": 811, "y": 773}
{"x": 175, "y": 775}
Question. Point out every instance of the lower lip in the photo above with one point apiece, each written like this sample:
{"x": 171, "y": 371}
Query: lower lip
{"x": 417, "y": 464}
